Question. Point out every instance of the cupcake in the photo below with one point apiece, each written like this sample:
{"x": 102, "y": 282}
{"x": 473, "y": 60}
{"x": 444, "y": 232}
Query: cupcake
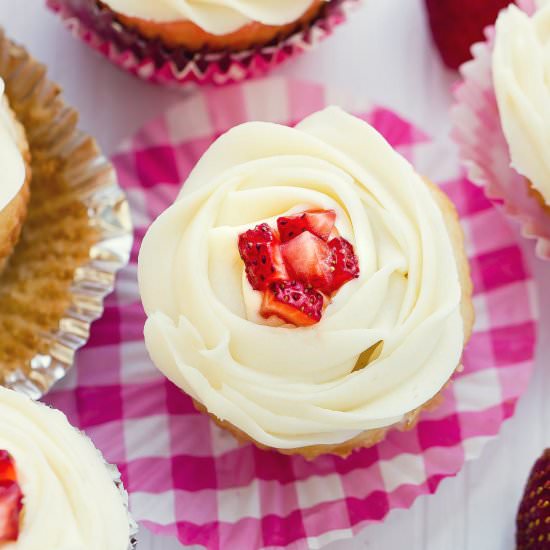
{"x": 523, "y": 94}
{"x": 72, "y": 233}
{"x": 500, "y": 117}
{"x": 14, "y": 189}
{"x": 56, "y": 491}
{"x": 174, "y": 42}
{"x": 307, "y": 289}
{"x": 216, "y": 25}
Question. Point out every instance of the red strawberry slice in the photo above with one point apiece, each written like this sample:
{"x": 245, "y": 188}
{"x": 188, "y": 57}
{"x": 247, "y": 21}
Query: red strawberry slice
{"x": 11, "y": 499}
{"x": 318, "y": 222}
{"x": 7, "y": 467}
{"x": 292, "y": 302}
{"x": 344, "y": 263}
{"x": 308, "y": 259}
{"x": 11, "y": 503}
{"x": 533, "y": 520}
{"x": 457, "y": 24}
{"x": 260, "y": 251}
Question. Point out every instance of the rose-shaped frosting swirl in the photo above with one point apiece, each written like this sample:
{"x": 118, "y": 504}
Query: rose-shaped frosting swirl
{"x": 12, "y": 176}
{"x": 70, "y": 501}
{"x": 214, "y": 16}
{"x": 521, "y": 75}
{"x": 292, "y": 387}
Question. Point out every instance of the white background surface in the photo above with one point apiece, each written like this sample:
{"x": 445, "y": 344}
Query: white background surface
{"x": 384, "y": 53}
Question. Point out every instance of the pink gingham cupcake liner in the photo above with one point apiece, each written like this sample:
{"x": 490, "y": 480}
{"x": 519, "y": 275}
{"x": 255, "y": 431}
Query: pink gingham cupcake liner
{"x": 177, "y": 67}
{"x": 190, "y": 479}
{"x": 483, "y": 148}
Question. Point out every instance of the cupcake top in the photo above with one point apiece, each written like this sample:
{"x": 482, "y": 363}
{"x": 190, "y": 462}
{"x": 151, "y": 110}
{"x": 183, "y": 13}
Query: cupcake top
{"x": 269, "y": 357}
{"x": 521, "y": 74}
{"x": 11, "y": 160}
{"x": 69, "y": 499}
{"x": 215, "y": 16}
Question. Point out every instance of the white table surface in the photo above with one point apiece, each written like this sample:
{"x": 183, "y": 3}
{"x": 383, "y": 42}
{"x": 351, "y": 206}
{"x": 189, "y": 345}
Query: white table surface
{"x": 384, "y": 53}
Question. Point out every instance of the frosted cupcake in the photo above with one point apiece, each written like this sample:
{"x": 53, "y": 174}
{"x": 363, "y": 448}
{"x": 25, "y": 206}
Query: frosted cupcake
{"x": 217, "y": 25}
{"x": 501, "y": 117}
{"x": 15, "y": 178}
{"x": 56, "y": 491}
{"x": 307, "y": 289}
{"x": 175, "y": 42}
{"x": 523, "y": 93}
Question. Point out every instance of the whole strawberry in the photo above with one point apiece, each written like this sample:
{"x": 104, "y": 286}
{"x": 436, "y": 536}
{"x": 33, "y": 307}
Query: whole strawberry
{"x": 457, "y": 24}
{"x": 533, "y": 521}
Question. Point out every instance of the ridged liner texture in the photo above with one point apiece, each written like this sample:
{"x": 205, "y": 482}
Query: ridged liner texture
{"x": 483, "y": 148}
{"x": 77, "y": 235}
{"x": 151, "y": 60}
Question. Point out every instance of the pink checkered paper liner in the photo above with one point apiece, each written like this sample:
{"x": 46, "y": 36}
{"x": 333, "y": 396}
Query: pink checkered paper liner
{"x": 484, "y": 150}
{"x": 179, "y": 68}
{"x": 190, "y": 479}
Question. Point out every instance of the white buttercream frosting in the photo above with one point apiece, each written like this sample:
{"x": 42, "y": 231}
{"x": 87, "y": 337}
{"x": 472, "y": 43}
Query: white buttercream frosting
{"x": 214, "y": 16}
{"x": 290, "y": 387}
{"x": 70, "y": 500}
{"x": 12, "y": 166}
{"x": 521, "y": 75}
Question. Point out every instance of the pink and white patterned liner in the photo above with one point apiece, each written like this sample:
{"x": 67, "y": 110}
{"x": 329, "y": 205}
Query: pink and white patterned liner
{"x": 478, "y": 131}
{"x": 179, "y": 68}
{"x": 188, "y": 478}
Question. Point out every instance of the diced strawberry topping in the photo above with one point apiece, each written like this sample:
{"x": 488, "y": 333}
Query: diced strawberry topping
{"x": 297, "y": 269}
{"x": 293, "y": 302}
{"x": 11, "y": 499}
{"x": 308, "y": 259}
{"x": 7, "y": 467}
{"x": 260, "y": 251}
{"x": 318, "y": 222}
{"x": 345, "y": 262}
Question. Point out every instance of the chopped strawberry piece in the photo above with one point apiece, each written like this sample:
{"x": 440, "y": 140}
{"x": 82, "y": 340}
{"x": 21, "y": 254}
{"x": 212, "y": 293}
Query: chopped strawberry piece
{"x": 299, "y": 251}
{"x": 7, "y": 467}
{"x": 345, "y": 263}
{"x": 11, "y": 499}
{"x": 309, "y": 259}
{"x": 318, "y": 222}
{"x": 260, "y": 251}
{"x": 293, "y": 302}
{"x": 11, "y": 503}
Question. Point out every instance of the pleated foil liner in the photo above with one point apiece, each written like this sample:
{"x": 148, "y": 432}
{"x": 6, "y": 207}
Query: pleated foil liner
{"x": 152, "y": 61}
{"x": 77, "y": 235}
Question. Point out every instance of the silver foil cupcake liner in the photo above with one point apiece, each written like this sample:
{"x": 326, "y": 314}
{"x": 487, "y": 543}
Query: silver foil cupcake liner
{"x": 70, "y": 251}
